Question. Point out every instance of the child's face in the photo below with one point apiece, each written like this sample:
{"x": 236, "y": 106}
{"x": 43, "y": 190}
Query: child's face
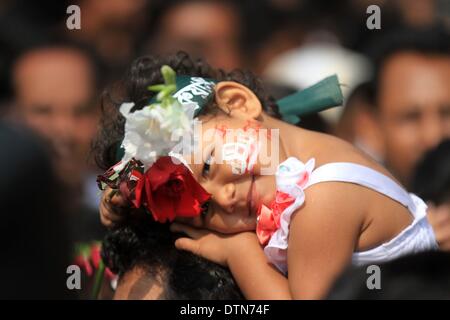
{"x": 232, "y": 162}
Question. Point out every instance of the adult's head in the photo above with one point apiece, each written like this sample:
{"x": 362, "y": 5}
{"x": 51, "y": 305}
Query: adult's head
{"x": 425, "y": 275}
{"x": 151, "y": 268}
{"x": 432, "y": 175}
{"x": 33, "y": 231}
{"x": 206, "y": 29}
{"x": 356, "y": 124}
{"x": 55, "y": 88}
{"x": 113, "y": 28}
{"x": 432, "y": 183}
{"x": 410, "y": 95}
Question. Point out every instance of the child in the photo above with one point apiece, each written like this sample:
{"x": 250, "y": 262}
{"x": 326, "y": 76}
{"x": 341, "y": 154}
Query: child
{"x": 326, "y": 205}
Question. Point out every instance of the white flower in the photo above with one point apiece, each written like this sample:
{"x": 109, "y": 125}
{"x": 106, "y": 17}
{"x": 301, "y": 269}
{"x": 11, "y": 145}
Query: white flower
{"x": 154, "y": 130}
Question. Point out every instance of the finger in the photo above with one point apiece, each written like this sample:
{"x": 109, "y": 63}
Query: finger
{"x": 445, "y": 234}
{"x": 106, "y": 222}
{"x": 443, "y": 212}
{"x": 445, "y": 247}
{"x": 115, "y": 212}
{"x": 109, "y": 213}
{"x": 118, "y": 200}
{"x": 440, "y": 218}
{"x": 190, "y": 231}
{"x": 442, "y": 237}
{"x": 187, "y": 244}
{"x": 107, "y": 194}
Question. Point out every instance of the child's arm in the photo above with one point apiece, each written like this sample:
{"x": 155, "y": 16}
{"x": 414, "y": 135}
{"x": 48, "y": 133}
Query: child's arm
{"x": 255, "y": 276}
{"x": 323, "y": 235}
{"x": 243, "y": 254}
{"x": 322, "y": 238}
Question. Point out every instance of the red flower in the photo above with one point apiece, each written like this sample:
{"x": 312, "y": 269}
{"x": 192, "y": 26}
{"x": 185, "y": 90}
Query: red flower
{"x": 269, "y": 218}
{"x": 95, "y": 255}
{"x": 83, "y": 262}
{"x": 88, "y": 257}
{"x": 168, "y": 190}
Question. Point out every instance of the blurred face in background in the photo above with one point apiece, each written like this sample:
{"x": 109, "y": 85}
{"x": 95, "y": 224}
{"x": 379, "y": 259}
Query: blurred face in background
{"x": 209, "y": 30}
{"x": 413, "y": 108}
{"x": 357, "y": 126}
{"x": 54, "y": 91}
{"x": 111, "y": 27}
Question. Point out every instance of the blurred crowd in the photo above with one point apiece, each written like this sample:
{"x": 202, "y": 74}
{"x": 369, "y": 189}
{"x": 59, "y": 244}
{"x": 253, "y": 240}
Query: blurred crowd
{"x": 396, "y": 84}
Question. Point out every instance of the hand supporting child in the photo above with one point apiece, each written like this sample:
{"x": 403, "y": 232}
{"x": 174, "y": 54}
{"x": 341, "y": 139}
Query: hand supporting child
{"x": 439, "y": 219}
{"x": 112, "y": 206}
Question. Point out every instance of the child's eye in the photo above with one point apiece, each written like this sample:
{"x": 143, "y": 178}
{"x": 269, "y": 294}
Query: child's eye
{"x": 207, "y": 166}
{"x": 205, "y": 209}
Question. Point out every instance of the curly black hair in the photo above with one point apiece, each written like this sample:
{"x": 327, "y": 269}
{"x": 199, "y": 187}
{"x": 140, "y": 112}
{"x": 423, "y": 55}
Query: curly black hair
{"x": 150, "y": 245}
{"x": 146, "y": 71}
{"x": 141, "y": 241}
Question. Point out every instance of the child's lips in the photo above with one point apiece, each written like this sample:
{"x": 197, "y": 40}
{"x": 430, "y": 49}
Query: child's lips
{"x": 253, "y": 198}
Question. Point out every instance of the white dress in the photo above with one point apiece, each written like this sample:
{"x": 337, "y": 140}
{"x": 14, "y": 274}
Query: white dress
{"x": 418, "y": 236}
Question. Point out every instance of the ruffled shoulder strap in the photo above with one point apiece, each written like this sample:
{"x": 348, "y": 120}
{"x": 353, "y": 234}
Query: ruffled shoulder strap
{"x": 362, "y": 175}
{"x": 293, "y": 174}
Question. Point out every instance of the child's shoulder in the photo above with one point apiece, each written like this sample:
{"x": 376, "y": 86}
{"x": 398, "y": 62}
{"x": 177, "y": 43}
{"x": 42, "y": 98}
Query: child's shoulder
{"x": 325, "y": 148}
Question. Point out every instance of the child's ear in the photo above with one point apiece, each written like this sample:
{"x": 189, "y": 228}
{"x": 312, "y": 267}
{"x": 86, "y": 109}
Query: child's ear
{"x": 237, "y": 100}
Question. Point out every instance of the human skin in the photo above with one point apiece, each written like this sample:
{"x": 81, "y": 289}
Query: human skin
{"x": 54, "y": 92}
{"x": 413, "y": 109}
{"x": 439, "y": 218}
{"x": 215, "y": 35}
{"x": 139, "y": 284}
{"x": 323, "y": 235}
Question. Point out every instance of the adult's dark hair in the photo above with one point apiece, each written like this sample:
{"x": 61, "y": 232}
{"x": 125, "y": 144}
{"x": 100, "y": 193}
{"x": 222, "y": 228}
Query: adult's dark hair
{"x": 424, "y": 275}
{"x": 434, "y": 40}
{"x": 149, "y": 245}
{"x": 432, "y": 176}
{"x": 159, "y": 9}
{"x": 56, "y": 42}
{"x": 357, "y": 100}
{"x": 146, "y": 71}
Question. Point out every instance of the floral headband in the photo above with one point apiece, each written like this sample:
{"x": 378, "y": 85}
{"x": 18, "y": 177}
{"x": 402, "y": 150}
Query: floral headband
{"x": 150, "y": 175}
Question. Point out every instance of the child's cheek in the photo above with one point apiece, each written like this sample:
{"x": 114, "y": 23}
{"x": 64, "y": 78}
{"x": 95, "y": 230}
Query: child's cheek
{"x": 240, "y": 147}
{"x": 235, "y": 155}
{"x": 241, "y": 156}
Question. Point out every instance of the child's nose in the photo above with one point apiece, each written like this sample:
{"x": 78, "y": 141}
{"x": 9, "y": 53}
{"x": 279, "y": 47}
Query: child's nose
{"x": 226, "y": 197}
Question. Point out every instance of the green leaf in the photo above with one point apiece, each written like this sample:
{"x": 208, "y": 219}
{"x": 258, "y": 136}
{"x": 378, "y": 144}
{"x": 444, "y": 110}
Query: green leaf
{"x": 166, "y": 92}
{"x": 156, "y": 87}
{"x": 169, "y": 75}
{"x": 99, "y": 276}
